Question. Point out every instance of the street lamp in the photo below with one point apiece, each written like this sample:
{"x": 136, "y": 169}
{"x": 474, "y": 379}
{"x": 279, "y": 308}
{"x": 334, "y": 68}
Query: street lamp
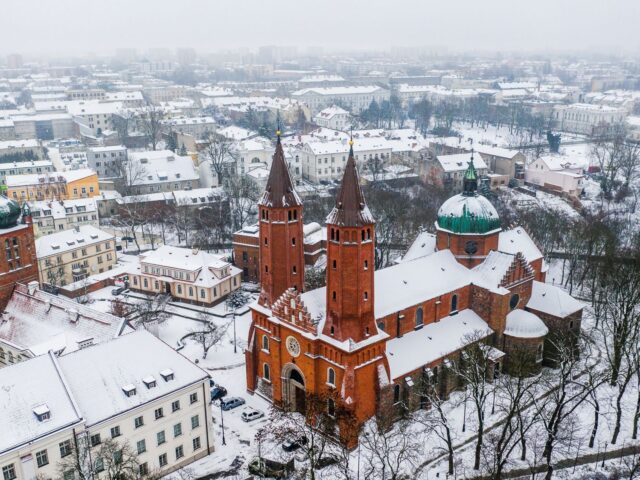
{"x": 464, "y": 412}
{"x": 224, "y": 442}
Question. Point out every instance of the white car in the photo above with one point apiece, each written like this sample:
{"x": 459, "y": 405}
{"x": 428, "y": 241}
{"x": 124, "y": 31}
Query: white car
{"x": 251, "y": 414}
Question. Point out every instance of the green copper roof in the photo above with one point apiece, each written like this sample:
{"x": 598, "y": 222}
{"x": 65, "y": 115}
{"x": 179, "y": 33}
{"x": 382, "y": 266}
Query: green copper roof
{"x": 468, "y": 214}
{"x": 9, "y": 212}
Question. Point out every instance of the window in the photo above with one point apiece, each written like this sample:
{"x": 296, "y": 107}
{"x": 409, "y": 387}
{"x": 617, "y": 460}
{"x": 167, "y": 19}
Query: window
{"x": 366, "y": 264}
{"x": 196, "y": 443}
{"x": 138, "y": 422}
{"x": 175, "y": 406}
{"x": 179, "y": 452}
{"x": 193, "y": 398}
{"x": 396, "y": 393}
{"x": 454, "y": 303}
{"x": 65, "y": 448}
{"x": 177, "y": 430}
{"x": 143, "y": 469}
{"x": 9, "y": 472}
{"x": 159, "y": 413}
{"x": 366, "y": 296}
{"x": 419, "y": 317}
{"x": 334, "y": 265}
{"x": 265, "y": 343}
{"x": 95, "y": 440}
{"x": 514, "y": 300}
{"x": 331, "y": 407}
{"x": 266, "y": 372}
{"x": 161, "y": 437}
{"x": 195, "y": 421}
{"x": 98, "y": 465}
{"x": 42, "y": 458}
{"x": 331, "y": 376}
{"x": 539, "y": 353}
{"x": 141, "y": 446}
{"x": 115, "y": 431}
{"x": 162, "y": 460}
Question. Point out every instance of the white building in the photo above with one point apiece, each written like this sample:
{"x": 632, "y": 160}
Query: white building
{"x": 588, "y": 119}
{"x": 160, "y": 171}
{"x": 55, "y": 215}
{"x": 107, "y": 162}
{"x": 24, "y": 168}
{"x": 356, "y": 98}
{"x": 324, "y": 161}
{"x": 44, "y": 126}
{"x": 556, "y": 173}
{"x": 449, "y": 169}
{"x": 333, "y": 117}
{"x": 195, "y": 126}
{"x": 193, "y": 276}
{"x": 133, "y": 389}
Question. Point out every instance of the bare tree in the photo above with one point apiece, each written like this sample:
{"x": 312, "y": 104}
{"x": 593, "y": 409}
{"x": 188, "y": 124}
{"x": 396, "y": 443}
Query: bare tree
{"x": 151, "y": 311}
{"x": 150, "y": 121}
{"x": 209, "y": 335}
{"x": 122, "y": 122}
{"x": 243, "y": 194}
{"x": 217, "y": 149}
{"x": 472, "y": 370}
{"x": 391, "y": 451}
{"x": 609, "y": 152}
{"x": 110, "y": 459}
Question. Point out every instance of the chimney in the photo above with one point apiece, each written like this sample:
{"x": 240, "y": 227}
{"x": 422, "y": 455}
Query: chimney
{"x": 32, "y": 287}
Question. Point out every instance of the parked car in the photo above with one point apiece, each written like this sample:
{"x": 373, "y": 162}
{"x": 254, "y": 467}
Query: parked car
{"x": 212, "y": 383}
{"x": 229, "y": 403}
{"x": 294, "y": 443}
{"x": 218, "y": 392}
{"x": 117, "y": 290}
{"x": 251, "y": 414}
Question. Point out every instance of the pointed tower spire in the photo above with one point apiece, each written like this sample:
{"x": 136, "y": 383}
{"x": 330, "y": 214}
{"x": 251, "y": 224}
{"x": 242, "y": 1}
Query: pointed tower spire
{"x": 351, "y": 209}
{"x": 470, "y": 179}
{"x": 279, "y": 192}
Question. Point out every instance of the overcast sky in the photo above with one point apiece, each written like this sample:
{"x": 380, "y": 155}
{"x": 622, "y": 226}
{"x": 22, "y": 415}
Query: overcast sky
{"x": 100, "y": 26}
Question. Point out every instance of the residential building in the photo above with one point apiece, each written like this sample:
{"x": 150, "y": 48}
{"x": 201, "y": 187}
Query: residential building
{"x": 192, "y": 276}
{"x": 107, "y": 162}
{"x": 54, "y": 215}
{"x": 195, "y": 126}
{"x": 160, "y": 171}
{"x": 588, "y": 119}
{"x": 72, "y": 184}
{"x": 449, "y": 170}
{"x": 44, "y": 126}
{"x": 21, "y": 150}
{"x": 556, "y": 173}
{"x": 333, "y": 117}
{"x": 133, "y": 389}
{"x": 71, "y": 255}
{"x": 355, "y": 98}
{"x": 35, "y": 322}
{"x": 24, "y": 168}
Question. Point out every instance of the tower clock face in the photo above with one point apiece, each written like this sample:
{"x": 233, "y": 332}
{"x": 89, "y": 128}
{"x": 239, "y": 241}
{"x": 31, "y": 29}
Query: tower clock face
{"x": 471, "y": 247}
{"x": 293, "y": 347}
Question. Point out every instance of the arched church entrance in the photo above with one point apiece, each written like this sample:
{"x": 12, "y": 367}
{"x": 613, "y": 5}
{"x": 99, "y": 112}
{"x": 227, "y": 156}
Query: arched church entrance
{"x": 293, "y": 388}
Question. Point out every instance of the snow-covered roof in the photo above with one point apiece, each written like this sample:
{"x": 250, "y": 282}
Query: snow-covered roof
{"x": 26, "y": 386}
{"x": 60, "y": 209}
{"x": 35, "y": 178}
{"x": 459, "y": 162}
{"x": 423, "y": 245}
{"x": 40, "y": 322}
{"x": 331, "y": 112}
{"x": 78, "y": 237}
{"x": 518, "y": 240}
{"x": 547, "y": 298}
{"x": 523, "y": 324}
{"x": 560, "y": 162}
{"x": 494, "y": 267}
{"x": 161, "y": 166}
{"x": 468, "y": 205}
{"x": 236, "y": 133}
{"x": 27, "y": 164}
{"x": 330, "y": 91}
{"x": 126, "y": 360}
{"x": 27, "y": 143}
{"x": 433, "y": 341}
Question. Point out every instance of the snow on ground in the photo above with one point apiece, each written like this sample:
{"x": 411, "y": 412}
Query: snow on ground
{"x": 544, "y": 201}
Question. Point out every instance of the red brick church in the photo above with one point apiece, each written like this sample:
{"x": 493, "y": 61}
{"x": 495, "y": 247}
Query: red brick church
{"x": 370, "y": 337}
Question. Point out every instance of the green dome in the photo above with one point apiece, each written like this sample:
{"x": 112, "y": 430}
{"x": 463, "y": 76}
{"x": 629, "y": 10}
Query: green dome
{"x": 9, "y": 212}
{"x": 468, "y": 214}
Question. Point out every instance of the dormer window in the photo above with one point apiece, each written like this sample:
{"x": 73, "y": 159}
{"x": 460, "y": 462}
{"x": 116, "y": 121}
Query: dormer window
{"x": 129, "y": 390}
{"x": 167, "y": 375}
{"x": 149, "y": 381}
{"x": 42, "y": 412}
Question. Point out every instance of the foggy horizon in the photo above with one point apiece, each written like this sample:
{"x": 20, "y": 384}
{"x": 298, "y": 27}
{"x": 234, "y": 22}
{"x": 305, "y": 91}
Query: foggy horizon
{"x": 69, "y": 28}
